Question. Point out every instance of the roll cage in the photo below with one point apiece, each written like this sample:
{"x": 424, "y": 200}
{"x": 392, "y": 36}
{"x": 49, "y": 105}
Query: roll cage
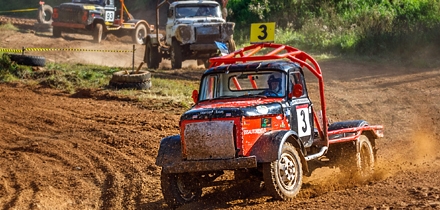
{"x": 272, "y": 51}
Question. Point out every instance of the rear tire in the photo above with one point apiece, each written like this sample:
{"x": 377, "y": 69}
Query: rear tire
{"x": 231, "y": 46}
{"x": 152, "y": 56}
{"x": 358, "y": 160}
{"x": 283, "y": 177}
{"x": 139, "y": 33}
{"x": 179, "y": 189}
{"x": 97, "y": 33}
{"x": 56, "y": 32}
{"x": 176, "y": 55}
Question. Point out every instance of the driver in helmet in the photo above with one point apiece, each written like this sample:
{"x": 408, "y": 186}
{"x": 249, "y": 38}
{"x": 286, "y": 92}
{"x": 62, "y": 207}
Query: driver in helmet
{"x": 274, "y": 83}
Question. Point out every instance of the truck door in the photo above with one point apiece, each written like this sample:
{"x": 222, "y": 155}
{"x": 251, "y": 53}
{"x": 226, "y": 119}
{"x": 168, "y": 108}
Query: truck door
{"x": 301, "y": 114}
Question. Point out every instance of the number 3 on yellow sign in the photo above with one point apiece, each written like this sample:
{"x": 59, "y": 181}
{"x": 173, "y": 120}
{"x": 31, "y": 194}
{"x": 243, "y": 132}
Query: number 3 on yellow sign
{"x": 262, "y": 32}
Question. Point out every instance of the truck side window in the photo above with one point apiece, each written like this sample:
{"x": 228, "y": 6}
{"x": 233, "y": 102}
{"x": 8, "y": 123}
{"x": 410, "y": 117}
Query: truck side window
{"x": 296, "y": 78}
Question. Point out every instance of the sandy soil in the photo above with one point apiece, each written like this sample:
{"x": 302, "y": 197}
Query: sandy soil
{"x": 95, "y": 149}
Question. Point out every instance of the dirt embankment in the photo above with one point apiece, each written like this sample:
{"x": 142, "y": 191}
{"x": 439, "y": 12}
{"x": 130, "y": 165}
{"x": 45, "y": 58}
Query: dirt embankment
{"x": 96, "y": 150}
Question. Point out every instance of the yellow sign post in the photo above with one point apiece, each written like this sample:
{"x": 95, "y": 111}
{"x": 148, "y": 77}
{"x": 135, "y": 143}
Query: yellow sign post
{"x": 262, "y": 32}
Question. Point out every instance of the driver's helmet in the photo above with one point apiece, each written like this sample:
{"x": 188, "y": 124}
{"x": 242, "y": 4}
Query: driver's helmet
{"x": 274, "y": 77}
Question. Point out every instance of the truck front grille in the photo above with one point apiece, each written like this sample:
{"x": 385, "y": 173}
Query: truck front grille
{"x": 208, "y": 34}
{"x": 70, "y": 16}
{"x": 209, "y": 140}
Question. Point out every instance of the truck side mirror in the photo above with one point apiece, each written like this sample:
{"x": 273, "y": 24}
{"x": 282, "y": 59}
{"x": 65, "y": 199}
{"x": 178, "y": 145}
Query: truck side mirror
{"x": 170, "y": 13}
{"x": 195, "y": 96}
{"x": 297, "y": 90}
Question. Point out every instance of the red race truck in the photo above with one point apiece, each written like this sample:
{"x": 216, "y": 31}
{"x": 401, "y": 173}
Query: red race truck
{"x": 253, "y": 116}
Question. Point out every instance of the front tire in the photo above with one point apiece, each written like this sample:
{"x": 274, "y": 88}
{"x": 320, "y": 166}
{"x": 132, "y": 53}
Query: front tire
{"x": 179, "y": 189}
{"x": 152, "y": 56}
{"x": 139, "y": 33}
{"x": 283, "y": 177}
{"x": 176, "y": 55}
{"x": 97, "y": 33}
{"x": 231, "y": 46}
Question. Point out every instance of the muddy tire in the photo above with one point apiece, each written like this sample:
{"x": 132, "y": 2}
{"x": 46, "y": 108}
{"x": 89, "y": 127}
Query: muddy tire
{"x": 56, "y": 32}
{"x": 358, "y": 160}
{"x": 179, "y": 189}
{"x": 98, "y": 33}
{"x": 131, "y": 77}
{"x": 283, "y": 177}
{"x": 152, "y": 56}
{"x": 28, "y": 60}
{"x": 231, "y": 45}
{"x": 45, "y": 14}
{"x": 206, "y": 63}
{"x": 176, "y": 55}
{"x": 139, "y": 34}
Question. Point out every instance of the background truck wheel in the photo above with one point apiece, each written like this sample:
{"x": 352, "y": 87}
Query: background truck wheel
{"x": 176, "y": 55}
{"x": 45, "y": 14}
{"x": 283, "y": 177}
{"x": 56, "y": 32}
{"x": 179, "y": 189}
{"x": 28, "y": 60}
{"x": 152, "y": 56}
{"x": 206, "y": 63}
{"x": 139, "y": 33}
{"x": 358, "y": 160}
{"x": 97, "y": 33}
{"x": 231, "y": 45}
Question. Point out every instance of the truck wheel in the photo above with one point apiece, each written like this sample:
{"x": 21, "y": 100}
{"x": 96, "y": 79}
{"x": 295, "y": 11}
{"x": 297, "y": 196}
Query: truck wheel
{"x": 56, "y": 32}
{"x": 359, "y": 160}
{"x": 283, "y": 177}
{"x": 45, "y": 14}
{"x": 97, "y": 33}
{"x": 28, "y": 60}
{"x": 139, "y": 33}
{"x": 231, "y": 46}
{"x": 179, "y": 189}
{"x": 206, "y": 63}
{"x": 152, "y": 56}
{"x": 176, "y": 55}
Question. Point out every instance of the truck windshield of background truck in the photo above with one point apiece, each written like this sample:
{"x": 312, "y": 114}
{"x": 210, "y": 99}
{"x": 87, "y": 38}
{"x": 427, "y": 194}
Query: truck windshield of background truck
{"x": 184, "y": 11}
{"x": 243, "y": 84}
{"x": 98, "y": 2}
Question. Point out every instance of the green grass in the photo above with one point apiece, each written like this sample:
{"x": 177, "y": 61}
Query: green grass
{"x": 8, "y": 27}
{"x": 71, "y": 78}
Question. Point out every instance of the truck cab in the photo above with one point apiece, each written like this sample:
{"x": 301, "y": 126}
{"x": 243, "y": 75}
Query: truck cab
{"x": 98, "y": 18}
{"x": 192, "y": 28}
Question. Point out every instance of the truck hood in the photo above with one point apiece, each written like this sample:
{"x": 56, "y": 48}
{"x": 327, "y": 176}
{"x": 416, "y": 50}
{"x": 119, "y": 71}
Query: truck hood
{"x": 197, "y": 20}
{"x": 234, "y": 109}
{"x": 77, "y": 6}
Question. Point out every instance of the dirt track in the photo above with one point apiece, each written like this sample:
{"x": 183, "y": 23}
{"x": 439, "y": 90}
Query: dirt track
{"x": 96, "y": 150}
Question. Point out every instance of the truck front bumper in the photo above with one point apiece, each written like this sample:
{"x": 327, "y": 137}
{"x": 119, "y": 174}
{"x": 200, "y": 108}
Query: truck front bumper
{"x": 185, "y": 166}
{"x": 201, "y": 47}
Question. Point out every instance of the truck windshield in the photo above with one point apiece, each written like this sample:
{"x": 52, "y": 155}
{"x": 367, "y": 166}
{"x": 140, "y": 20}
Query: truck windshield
{"x": 243, "y": 84}
{"x": 100, "y": 2}
{"x": 184, "y": 11}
